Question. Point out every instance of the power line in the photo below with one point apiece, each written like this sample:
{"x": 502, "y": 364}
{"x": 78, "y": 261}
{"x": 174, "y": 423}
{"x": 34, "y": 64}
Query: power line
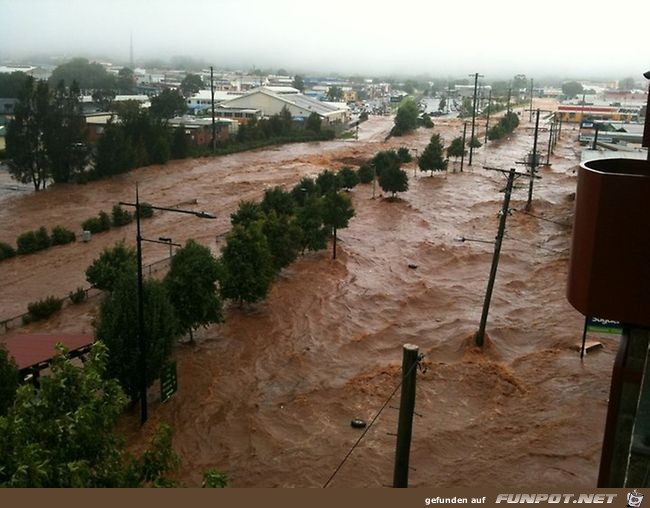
{"x": 543, "y": 218}
{"x": 347, "y": 455}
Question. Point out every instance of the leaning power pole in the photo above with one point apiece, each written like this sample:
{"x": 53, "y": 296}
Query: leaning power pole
{"x": 530, "y": 117}
{"x": 533, "y": 165}
{"x": 214, "y": 128}
{"x": 462, "y": 155}
{"x": 480, "y": 335}
{"x": 471, "y": 147}
{"x": 487, "y": 122}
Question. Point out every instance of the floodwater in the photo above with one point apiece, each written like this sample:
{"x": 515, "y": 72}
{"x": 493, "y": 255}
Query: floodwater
{"x": 268, "y": 396}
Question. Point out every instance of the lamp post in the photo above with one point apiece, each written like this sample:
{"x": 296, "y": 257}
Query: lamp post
{"x": 141, "y": 331}
{"x": 166, "y": 239}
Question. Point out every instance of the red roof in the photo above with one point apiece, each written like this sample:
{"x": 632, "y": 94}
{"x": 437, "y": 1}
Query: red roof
{"x": 28, "y": 350}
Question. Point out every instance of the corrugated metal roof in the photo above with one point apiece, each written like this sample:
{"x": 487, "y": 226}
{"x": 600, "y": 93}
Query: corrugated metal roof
{"x": 29, "y": 350}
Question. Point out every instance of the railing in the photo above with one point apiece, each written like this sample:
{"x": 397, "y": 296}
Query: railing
{"x": 91, "y": 292}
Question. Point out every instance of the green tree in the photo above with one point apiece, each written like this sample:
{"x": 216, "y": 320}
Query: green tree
{"x": 283, "y": 237}
{"x": 125, "y": 80}
{"x": 279, "y": 200}
{"x": 313, "y": 123}
{"x": 65, "y": 138}
{"x": 310, "y": 220}
{"x": 114, "y": 152}
{"x": 247, "y": 213}
{"x": 404, "y": 155}
{"x": 89, "y": 76}
{"x": 394, "y": 180}
{"x": 104, "y": 98}
{"x": 214, "y": 479}
{"x": 304, "y": 189}
{"x": 112, "y": 263}
{"x": 456, "y": 148}
{"x": 298, "y": 83}
{"x": 168, "y": 104}
{"x": 475, "y": 143}
{"x": 337, "y": 212}
{"x": 366, "y": 172}
{"x": 519, "y": 82}
{"x": 571, "y": 89}
{"x": 11, "y": 85}
{"x": 8, "y": 381}
{"x": 191, "y": 84}
{"x": 247, "y": 264}
{"x": 406, "y": 118}
{"x": 61, "y": 435}
{"x": 327, "y": 181}
{"x": 27, "y": 156}
{"x": 385, "y": 160}
{"x": 347, "y": 178}
{"x": 117, "y": 327}
{"x": 334, "y": 93}
{"x": 442, "y": 104}
{"x": 180, "y": 146}
{"x": 192, "y": 287}
{"x": 432, "y": 156}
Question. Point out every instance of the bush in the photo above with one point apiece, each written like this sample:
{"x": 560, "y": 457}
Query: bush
{"x": 347, "y": 178}
{"x": 42, "y": 309}
{"x": 426, "y": 122}
{"x": 121, "y": 217}
{"x": 404, "y": 154}
{"x": 146, "y": 212}
{"x": 61, "y": 236}
{"x": 78, "y": 295}
{"x": 6, "y": 251}
{"x": 214, "y": 479}
{"x": 33, "y": 241}
{"x": 97, "y": 224}
{"x": 366, "y": 173}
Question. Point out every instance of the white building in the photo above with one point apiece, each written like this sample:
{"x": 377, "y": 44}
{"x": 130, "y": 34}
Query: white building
{"x": 300, "y": 106}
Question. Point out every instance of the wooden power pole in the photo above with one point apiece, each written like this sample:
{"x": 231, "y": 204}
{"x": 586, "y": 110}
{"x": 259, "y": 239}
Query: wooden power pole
{"x": 405, "y": 422}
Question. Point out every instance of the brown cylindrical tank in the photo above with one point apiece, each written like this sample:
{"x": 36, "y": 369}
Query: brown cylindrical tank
{"x": 609, "y": 271}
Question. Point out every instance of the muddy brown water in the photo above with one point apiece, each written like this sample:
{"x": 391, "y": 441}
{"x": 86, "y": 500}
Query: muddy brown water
{"x": 268, "y": 396}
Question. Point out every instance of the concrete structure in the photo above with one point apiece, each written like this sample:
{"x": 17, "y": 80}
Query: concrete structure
{"x": 203, "y": 98}
{"x": 300, "y": 106}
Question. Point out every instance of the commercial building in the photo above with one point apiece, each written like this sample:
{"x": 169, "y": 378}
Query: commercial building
{"x": 577, "y": 113}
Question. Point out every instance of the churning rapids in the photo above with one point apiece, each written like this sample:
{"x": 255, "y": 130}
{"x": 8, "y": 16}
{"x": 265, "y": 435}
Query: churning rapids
{"x": 268, "y": 396}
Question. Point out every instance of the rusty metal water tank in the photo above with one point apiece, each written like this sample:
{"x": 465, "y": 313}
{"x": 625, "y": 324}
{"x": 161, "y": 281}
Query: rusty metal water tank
{"x": 609, "y": 270}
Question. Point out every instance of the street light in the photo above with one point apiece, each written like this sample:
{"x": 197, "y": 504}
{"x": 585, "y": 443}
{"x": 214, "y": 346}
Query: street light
{"x": 166, "y": 239}
{"x": 141, "y": 331}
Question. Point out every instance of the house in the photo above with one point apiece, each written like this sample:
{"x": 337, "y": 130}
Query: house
{"x": 203, "y": 98}
{"x": 199, "y": 130}
{"x": 96, "y": 124}
{"x": 300, "y": 106}
{"x": 7, "y": 106}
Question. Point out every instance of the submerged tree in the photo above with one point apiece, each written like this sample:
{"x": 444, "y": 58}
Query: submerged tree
{"x": 191, "y": 284}
{"x": 432, "y": 156}
{"x": 337, "y": 212}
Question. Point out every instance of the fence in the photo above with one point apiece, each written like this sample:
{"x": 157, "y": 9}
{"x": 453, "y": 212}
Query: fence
{"x": 91, "y": 292}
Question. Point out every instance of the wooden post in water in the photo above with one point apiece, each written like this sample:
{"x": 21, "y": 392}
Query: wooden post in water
{"x": 405, "y": 422}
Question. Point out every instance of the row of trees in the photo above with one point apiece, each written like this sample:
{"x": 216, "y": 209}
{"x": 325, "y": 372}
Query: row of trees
{"x": 506, "y": 124}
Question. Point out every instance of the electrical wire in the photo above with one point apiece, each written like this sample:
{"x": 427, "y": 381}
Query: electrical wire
{"x": 542, "y": 218}
{"x": 347, "y": 455}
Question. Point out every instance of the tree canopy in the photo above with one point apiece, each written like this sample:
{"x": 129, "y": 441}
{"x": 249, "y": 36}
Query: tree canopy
{"x": 191, "y": 84}
{"x": 8, "y": 380}
{"x": 571, "y": 88}
{"x": 117, "y": 327}
{"x": 168, "y": 104}
{"x": 61, "y": 434}
{"x": 456, "y": 148}
{"x": 191, "y": 284}
{"x": 110, "y": 265}
{"x": 89, "y": 76}
{"x": 298, "y": 83}
{"x": 406, "y": 118}
{"x": 247, "y": 263}
{"x": 12, "y": 84}
{"x": 337, "y": 212}
{"x": 432, "y": 158}
{"x": 394, "y": 179}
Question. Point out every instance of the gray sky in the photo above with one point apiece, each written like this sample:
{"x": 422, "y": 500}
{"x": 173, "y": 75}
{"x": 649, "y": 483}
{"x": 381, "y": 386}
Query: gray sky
{"x": 499, "y": 38}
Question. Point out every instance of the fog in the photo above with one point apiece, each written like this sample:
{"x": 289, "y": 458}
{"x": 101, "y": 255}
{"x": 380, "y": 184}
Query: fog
{"x": 497, "y": 38}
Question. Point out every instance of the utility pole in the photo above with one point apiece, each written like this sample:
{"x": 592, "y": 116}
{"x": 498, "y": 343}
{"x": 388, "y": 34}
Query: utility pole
{"x": 509, "y": 95}
{"x": 530, "y": 117}
{"x": 595, "y": 136}
{"x": 214, "y": 128}
{"x": 142, "y": 340}
{"x": 405, "y": 422}
{"x": 480, "y": 335}
{"x": 471, "y": 147}
{"x": 448, "y": 97}
{"x": 533, "y": 165}
{"x": 487, "y": 122}
{"x": 550, "y": 142}
{"x": 462, "y": 155}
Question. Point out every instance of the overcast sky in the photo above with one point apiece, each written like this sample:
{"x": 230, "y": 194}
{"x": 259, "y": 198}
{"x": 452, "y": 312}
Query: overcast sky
{"x": 499, "y": 38}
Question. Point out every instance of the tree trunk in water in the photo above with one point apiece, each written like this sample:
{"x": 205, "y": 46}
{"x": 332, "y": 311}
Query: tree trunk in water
{"x": 191, "y": 337}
